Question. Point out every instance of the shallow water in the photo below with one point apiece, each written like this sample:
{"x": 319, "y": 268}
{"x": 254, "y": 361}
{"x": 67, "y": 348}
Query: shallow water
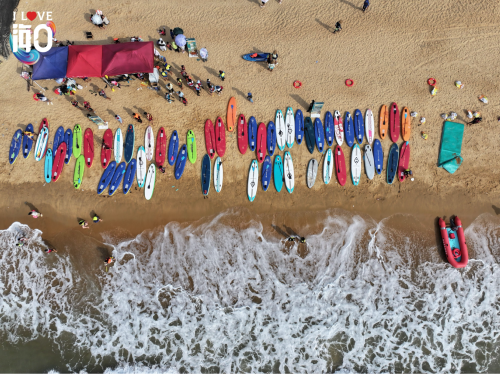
{"x": 229, "y": 294}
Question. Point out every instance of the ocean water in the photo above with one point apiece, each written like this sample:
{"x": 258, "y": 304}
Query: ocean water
{"x": 230, "y": 294}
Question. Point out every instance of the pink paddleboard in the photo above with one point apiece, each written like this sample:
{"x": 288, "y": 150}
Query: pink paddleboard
{"x": 220, "y": 137}
{"x": 242, "y": 134}
{"x": 394, "y": 122}
{"x": 340, "y": 169}
{"x": 261, "y": 142}
{"x": 210, "y": 138}
{"x": 57, "y": 165}
{"x": 404, "y": 161}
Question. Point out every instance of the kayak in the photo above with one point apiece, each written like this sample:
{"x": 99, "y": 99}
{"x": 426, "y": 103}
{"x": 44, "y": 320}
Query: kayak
{"x": 256, "y": 57}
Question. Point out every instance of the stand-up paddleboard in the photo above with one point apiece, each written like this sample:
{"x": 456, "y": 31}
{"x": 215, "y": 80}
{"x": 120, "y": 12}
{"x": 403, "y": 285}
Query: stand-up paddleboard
{"x": 15, "y": 146}
{"x": 404, "y": 161}
{"x": 209, "y": 138}
{"x": 57, "y": 165}
{"x": 88, "y": 147}
{"x": 369, "y": 126}
{"x": 43, "y": 123}
{"x": 278, "y": 173}
{"x": 359, "y": 126}
{"x": 118, "y": 147}
{"x": 309, "y": 135}
{"x": 205, "y": 175}
{"x": 290, "y": 127}
{"x": 191, "y": 147}
{"x": 312, "y": 172}
{"x": 106, "y": 177}
{"x": 27, "y": 142}
{"x": 349, "y": 129}
{"x": 394, "y": 123}
{"x": 280, "y": 130}
{"x": 253, "y": 180}
{"x": 319, "y": 135}
{"x": 356, "y": 165}
{"x": 129, "y": 143}
{"x": 231, "y": 114}
{"x": 383, "y": 122}
{"x": 261, "y": 142}
{"x": 329, "y": 129}
{"x": 392, "y": 163}
{"x": 369, "y": 162}
{"x": 339, "y": 127}
{"x": 340, "y": 169}
{"x": 218, "y": 174}
{"x": 161, "y": 147}
{"x": 149, "y": 143}
{"x": 405, "y": 124}
{"x": 271, "y": 138}
{"x": 68, "y": 139}
{"x": 299, "y": 126}
{"x": 79, "y": 169}
{"x": 117, "y": 178}
{"x": 289, "y": 174}
{"x": 180, "y": 165}
{"x": 252, "y": 133}
{"x": 149, "y": 185}
{"x": 267, "y": 172}
{"x": 242, "y": 136}
{"x": 58, "y": 139}
{"x": 128, "y": 178}
{"x": 378, "y": 156}
{"x": 173, "y": 148}
{"x": 41, "y": 143}
{"x": 48, "y": 166}
{"x": 220, "y": 137}
{"x": 78, "y": 141}
{"x": 141, "y": 166}
{"x": 328, "y": 166}
{"x": 106, "y": 148}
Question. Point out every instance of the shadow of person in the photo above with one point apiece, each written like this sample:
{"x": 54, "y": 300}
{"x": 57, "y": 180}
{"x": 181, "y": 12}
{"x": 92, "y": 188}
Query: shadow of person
{"x": 290, "y": 231}
{"x": 31, "y": 206}
{"x": 300, "y": 101}
{"x": 103, "y": 253}
{"x": 280, "y": 231}
{"x": 351, "y": 4}
{"x": 439, "y": 240}
{"x": 496, "y": 209}
{"x": 239, "y": 92}
{"x": 129, "y": 112}
{"x": 214, "y": 72}
{"x": 327, "y": 27}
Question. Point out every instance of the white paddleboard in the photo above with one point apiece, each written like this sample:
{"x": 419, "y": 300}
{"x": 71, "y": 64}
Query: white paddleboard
{"x": 118, "y": 147}
{"x": 149, "y": 185}
{"x": 288, "y": 170}
{"x": 356, "y": 164}
{"x": 369, "y": 127}
{"x": 339, "y": 127}
{"x": 312, "y": 171}
{"x": 253, "y": 180}
{"x": 290, "y": 127}
{"x": 41, "y": 143}
{"x": 280, "y": 130}
{"x": 141, "y": 166}
{"x": 369, "y": 162}
{"x": 218, "y": 174}
{"x": 149, "y": 143}
{"x": 328, "y": 166}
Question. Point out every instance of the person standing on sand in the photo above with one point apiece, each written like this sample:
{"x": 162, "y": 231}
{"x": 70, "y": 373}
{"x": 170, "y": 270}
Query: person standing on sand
{"x": 264, "y": 2}
{"x": 250, "y": 97}
{"x": 366, "y": 5}
{"x": 35, "y": 214}
{"x": 96, "y": 218}
{"x": 180, "y": 94}
{"x": 148, "y": 116}
{"x": 84, "y": 224}
{"x": 119, "y": 119}
{"x": 222, "y": 75}
{"x": 204, "y": 54}
{"x": 103, "y": 94}
{"x": 179, "y": 82}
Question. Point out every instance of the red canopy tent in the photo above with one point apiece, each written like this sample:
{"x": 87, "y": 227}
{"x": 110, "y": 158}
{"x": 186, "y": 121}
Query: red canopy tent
{"x": 84, "y": 61}
{"x": 127, "y": 58}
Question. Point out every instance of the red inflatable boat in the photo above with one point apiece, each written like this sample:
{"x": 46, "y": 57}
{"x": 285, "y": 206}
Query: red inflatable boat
{"x": 454, "y": 243}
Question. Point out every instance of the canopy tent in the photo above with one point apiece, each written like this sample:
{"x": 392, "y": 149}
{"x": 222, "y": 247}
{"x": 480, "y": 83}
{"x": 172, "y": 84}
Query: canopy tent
{"x": 84, "y": 61}
{"x": 52, "y": 64}
{"x": 127, "y": 58}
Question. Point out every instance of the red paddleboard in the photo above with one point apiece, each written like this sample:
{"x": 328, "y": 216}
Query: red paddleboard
{"x": 161, "y": 146}
{"x": 220, "y": 137}
{"x": 107, "y": 146}
{"x": 261, "y": 142}
{"x": 58, "y": 163}
{"x": 210, "y": 138}
{"x": 242, "y": 134}
{"x": 394, "y": 122}
{"x": 340, "y": 169}
{"x": 88, "y": 147}
{"x": 404, "y": 161}
{"x": 44, "y": 123}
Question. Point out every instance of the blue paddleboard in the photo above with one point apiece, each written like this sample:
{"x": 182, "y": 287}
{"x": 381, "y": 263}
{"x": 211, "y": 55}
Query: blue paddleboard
{"x": 267, "y": 170}
{"x": 309, "y": 135}
{"x": 68, "y": 139}
{"x": 15, "y": 146}
{"x": 173, "y": 148}
{"x": 392, "y": 163}
{"x": 106, "y": 177}
{"x": 117, "y": 178}
{"x": 378, "y": 156}
{"x": 299, "y": 126}
{"x": 278, "y": 173}
{"x": 271, "y": 137}
{"x": 319, "y": 134}
{"x": 58, "y": 139}
{"x": 129, "y": 143}
{"x": 206, "y": 170}
{"x": 129, "y": 176}
{"x": 48, "y": 165}
{"x": 349, "y": 129}
{"x": 329, "y": 129}
{"x": 27, "y": 142}
{"x": 359, "y": 126}
{"x": 252, "y": 133}
{"x": 181, "y": 162}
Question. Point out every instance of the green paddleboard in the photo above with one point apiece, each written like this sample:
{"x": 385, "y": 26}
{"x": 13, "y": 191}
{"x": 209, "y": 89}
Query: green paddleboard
{"x": 191, "y": 146}
{"x": 77, "y": 141}
{"x": 79, "y": 168}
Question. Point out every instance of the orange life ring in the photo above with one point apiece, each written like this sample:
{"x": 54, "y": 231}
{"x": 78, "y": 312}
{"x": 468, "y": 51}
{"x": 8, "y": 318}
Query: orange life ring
{"x": 431, "y": 82}
{"x": 349, "y": 82}
{"x": 297, "y": 84}
{"x": 456, "y": 253}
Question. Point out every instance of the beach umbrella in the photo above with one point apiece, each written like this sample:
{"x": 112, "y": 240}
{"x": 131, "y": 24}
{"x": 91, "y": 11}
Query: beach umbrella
{"x": 180, "y": 40}
{"x": 177, "y": 31}
{"x": 96, "y": 19}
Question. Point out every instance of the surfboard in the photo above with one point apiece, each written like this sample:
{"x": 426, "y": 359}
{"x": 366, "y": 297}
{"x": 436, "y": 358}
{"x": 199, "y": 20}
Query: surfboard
{"x": 48, "y": 165}
{"x": 27, "y": 142}
{"x": 106, "y": 177}
{"x": 261, "y": 142}
{"x": 359, "y": 126}
{"x": 161, "y": 147}
{"x": 205, "y": 175}
{"x": 378, "y": 156}
{"x": 231, "y": 114}
{"x": 267, "y": 172}
{"x": 149, "y": 185}
{"x": 41, "y": 143}
{"x": 173, "y": 148}
{"x": 309, "y": 135}
{"x": 209, "y": 138}
{"x": 58, "y": 139}
{"x": 58, "y": 163}
{"x": 117, "y": 178}
{"x": 141, "y": 166}
{"x": 191, "y": 147}
{"x": 278, "y": 173}
{"x": 220, "y": 137}
{"x": 290, "y": 127}
{"x": 218, "y": 174}
{"x": 340, "y": 169}
{"x": 128, "y": 178}
{"x": 106, "y": 148}
{"x": 356, "y": 165}
{"x": 271, "y": 138}
{"x": 68, "y": 139}
{"x": 383, "y": 121}
{"x": 299, "y": 126}
{"x": 181, "y": 162}
{"x": 79, "y": 169}
{"x": 242, "y": 136}
{"x": 78, "y": 141}
{"x": 369, "y": 126}
{"x": 405, "y": 124}
{"x": 392, "y": 163}
{"x": 118, "y": 147}
{"x": 319, "y": 134}
{"x": 349, "y": 129}
{"x": 394, "y": 124}
{"x": 289, "y": 174}
{"x": 252, "y": 133}
{"x": 339, "y": 127}
{"x": 404, "y": 160}
{"x": 369, "y": 162}
{"x": 328, "y": 166}
{"x": 329, "y": 129}
{"x": 15, "y": 146}
{"x": 280, "y": 130}
{"x": 253, "y": 180}
{"x": 88, "y": 147}
{"x": 312, "y": 172}
{"x": 129, "y": 143}
{"x": 149, "y": 143}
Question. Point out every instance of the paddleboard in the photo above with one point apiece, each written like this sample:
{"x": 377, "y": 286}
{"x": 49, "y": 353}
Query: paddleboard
{"x": 78, "y": 141}
{"x": 369, "y": 162}
{"x": 349, "y": 129}
{"x": 280, "y": 130}
{"x": 41, "y": 143}
{"x": 242, "y": 136}
{"x": 118, "y": 147}
{"x": 68, "y": 139}
{"x": 359, "y": 126}
{"x": 394, "y": 124}
{"x": 149, "y": 185}
{"x": 205, "y": 175}
{"x": 27, "y": 142}
{"x": 128, "y": 178}
{"x": 218, "y": 174}
{"x": 15, "y": 146}
{"x": 383, "y": 121}
{"x": 44, "y": 123}
{"x": 267, "y": 172}
{"x": 48, "y": 166}
{"x": 378, "y": 156}
{"x": 261, "y": 142}
{"x": 319, "y": 135}
{"x": 329, "y": 129}
{"x": 309, "y": 135}
{"x": 141, "y": 166}
{"x": 299, "y": 126}
{"x": 161, "y": 146}
{"x": 220, "y": 137}
{"x": 312, "y": 171}
{"x": 404, "y": 160}
{"x": 129, "y": 143}
{"x": 58, "y": 163}
{"x": 58, "y": 139}
{"x": 252, "y": 133}
{"x": 253, "y": 180}
{"x": 117, "y": 178}
{"x": 88, "y": 147}
{"x": 339, "y": 127}
{"x": 328, "y": 166}
{"x": 231, "y": 114}
{"x": 210, "y": 138}
{"x": 405, "y": 124}
{"x": 289, "y": 175}
{"x": 149, "y": 143}
{"x": 392, "y": 163}
{"x": 278, "y": 173}
{"x": 369, "y": 126}
{"x": 191, "y": 147}
{"x": 181, "y": 162}
{"x": 106, "y": 177}
{"x": 356, "y": 165}
{"x": 79, "y": 169}
{"x": 290, "y": 127}
{"x": 173, "y": 148}
{"x": 340, "y": 169}
{"x": 106, "y": 148}
{"x": 271, "y": 138}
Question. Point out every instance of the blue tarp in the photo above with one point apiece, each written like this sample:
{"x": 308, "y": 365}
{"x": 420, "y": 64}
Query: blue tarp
{"x": 52, "y": 64}
{"x": 451, "y": 146}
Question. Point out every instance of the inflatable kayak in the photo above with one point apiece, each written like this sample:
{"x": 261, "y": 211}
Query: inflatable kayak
{"x": 255, "y": 56}
{"x": 454, "y": 243}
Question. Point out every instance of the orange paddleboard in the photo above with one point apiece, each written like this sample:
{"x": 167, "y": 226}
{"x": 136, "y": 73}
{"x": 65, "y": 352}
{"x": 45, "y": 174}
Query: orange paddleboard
{"x": 384, "y": 121}
{"x": 231, "y": 114}
{"x": 405, "y": 124}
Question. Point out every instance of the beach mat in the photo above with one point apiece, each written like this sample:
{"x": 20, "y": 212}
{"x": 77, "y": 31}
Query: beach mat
{"x": 450, "y": 157}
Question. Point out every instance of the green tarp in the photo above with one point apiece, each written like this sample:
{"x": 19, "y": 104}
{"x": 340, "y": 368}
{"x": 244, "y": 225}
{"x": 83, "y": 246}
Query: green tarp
{"x": 451, "y": 146}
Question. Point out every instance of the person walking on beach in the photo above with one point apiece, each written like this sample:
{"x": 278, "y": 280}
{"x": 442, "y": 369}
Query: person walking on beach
{"x": 118, "y": 118}
{"x": 366, "y": 4}
{"x": 96, "y": 218}
{"x": 84, "y": 224}
{"x": 137, "y": 117}
{"x": 103, "y": 94}
{"x": 264, "y": 2}
{"x": 184, "y": 101}
{"x": 75, "y": 104}
{"x": 148, "y": 116}
{"x": 250, "y": 97}
{"x": 180, "y": 94}
{"x": 179, "y": 82}
{"x": 338, "y": 27}
{"x": 218, "y": 89}
{"x": 86, "y": 105}
{"x": 222, "y": 75}
{"x": 35, "y": 214}
{"x": 168, "y": 97}
{"x": 170, "y": 87}
{"x": 197, "y": 88}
